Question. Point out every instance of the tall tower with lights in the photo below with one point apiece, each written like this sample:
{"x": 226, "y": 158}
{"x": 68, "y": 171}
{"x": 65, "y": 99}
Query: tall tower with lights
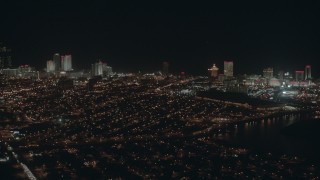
{"x": 214, "y": 71}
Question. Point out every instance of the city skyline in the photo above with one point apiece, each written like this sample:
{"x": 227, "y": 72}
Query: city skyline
{"x": 159, "y": 90}
{"x": 64, "y": 63}
{"x": 129, "y": 36}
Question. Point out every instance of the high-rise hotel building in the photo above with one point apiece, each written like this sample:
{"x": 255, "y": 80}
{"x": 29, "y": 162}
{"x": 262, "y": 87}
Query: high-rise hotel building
{"x": 51, "y": 67}
{"x": 97, "y": 68}
{"x": 228, "y": 69}
{"x": 101, "y": 69}
{"x": 56, "y": 60}
{"x": 66, "y": 63}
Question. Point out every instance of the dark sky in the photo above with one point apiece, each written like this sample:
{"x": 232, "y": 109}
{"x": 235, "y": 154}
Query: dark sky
{"x": 190, "y": 36}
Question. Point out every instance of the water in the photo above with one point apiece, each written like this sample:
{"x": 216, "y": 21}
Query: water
{"x": 267, "y": 135}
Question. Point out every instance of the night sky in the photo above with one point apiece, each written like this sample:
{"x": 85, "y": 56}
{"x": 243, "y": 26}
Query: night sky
{"x": 133, "y": 36}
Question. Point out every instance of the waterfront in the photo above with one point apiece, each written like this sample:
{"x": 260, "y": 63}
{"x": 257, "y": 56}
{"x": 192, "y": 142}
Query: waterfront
{"x": 267, "y": 135}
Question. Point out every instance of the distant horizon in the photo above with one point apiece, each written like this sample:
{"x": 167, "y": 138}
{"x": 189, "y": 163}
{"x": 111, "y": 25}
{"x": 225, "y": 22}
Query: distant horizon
{"x": 219, "y": 64}
{"x": 143, "y": 65}
{"x": 191, "y": 36}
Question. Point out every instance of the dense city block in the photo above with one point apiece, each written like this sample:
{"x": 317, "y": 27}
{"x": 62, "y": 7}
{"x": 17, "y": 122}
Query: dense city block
{"x": 137, "y": 126}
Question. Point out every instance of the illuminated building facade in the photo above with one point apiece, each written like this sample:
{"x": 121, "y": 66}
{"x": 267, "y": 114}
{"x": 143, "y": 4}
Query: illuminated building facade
{"x": 10, "y": 72}
{"x": 107, "y": 71}
{"x": 97, "y": 68}
{"x": 5, "y": 57}
{"x": 268, "y": 73}
{"x": 21, "y": 71}
{"x": 214, "y": 71}
{"x": 274, "y": 82}
{"x": 228, "y": 69}
{"x": 288, "y": 75}
{"x": 56, "y": 60}
{"x": 51, "y": 66}
{"x": 26, "y": 71}
{"x": 307, "y": 72}
{"x": 299, "y": 75}
{"x": 66, "y": 63}
{"x": 101, "y": 69}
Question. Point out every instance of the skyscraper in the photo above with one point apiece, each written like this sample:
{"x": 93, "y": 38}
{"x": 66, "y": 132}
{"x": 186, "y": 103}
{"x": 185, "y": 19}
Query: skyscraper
{"x": 165, "y": 68}
{"x": 97, "y": 68}
{"x": 307, "y": 72}
{"x": 50, "y": 66}
{"x": 5, "y": 57}
{"x": 228, "y": 69}
{"x": 66, "y": 63}
{"x": 214, "y": 71}
{"x": 101, "y": 69}
{"x": 56, "y": 60}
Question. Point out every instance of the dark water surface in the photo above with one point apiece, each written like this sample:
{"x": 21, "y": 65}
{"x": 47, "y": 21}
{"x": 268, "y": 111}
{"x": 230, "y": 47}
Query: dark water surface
{"x": 279, "y": 135}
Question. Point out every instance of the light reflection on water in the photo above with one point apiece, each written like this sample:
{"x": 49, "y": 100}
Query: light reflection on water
{"x": 265, "y": 136}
